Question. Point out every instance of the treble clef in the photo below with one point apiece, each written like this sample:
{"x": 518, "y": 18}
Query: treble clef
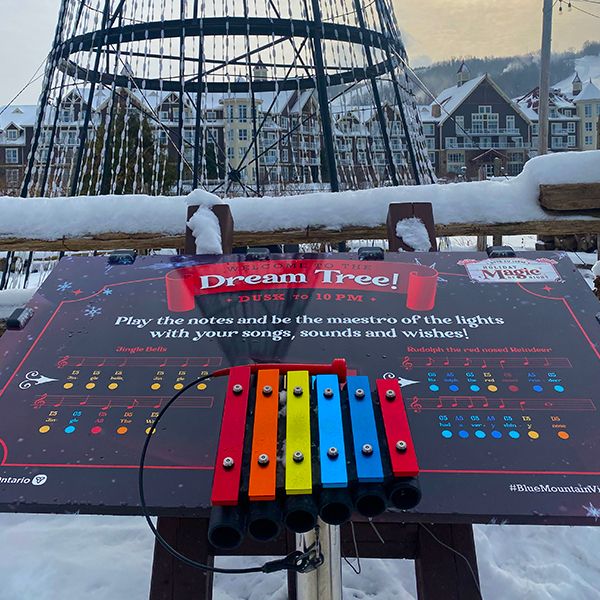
{"x": 416, "y": 405}
{"x": 41, "y": 401}
{"x": 407, "y": 364}
{"x": 63, "y": 362}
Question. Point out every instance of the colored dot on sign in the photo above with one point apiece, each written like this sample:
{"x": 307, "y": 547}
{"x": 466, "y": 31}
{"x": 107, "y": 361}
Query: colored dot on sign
{"x": 90, "y": 386}
{"x": 68, "y": 385}
{"x": 95, "y": 430}
{"x": 513, "y": 388}
{"x": 155, "y": 386}
{"x": 149, "y": 429}
{"x": 178, "y": 386}
{"x": 122, "y": 430}
{"x": 492, "y": 388}
{"x": 434, "y": 388}
{"x": 453, "y": 388}
{"x": 113, "y": 386}
{"x": 46, "y": 429}
{"x": 463, "y": 434}
{"x": 515, "y": 435}
{"x": 559, "y": 388}
{"x": 202, "y": 386}
{"x": 447, "y": 434}
{"x": 69, "y": 429}
{"x": 475, "y": 388}
{"x": 534, "y": 435}
{"x": 538, "y": 388}
{"x": 496, "y": 434}
{"x": 480, "y": 434}
{"x": 563, "y": 435}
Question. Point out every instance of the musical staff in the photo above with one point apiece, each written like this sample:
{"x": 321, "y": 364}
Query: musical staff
{"x": 474, "y": 403}
{"x": 139, "y": 361}
{"x": 139, "y": 402}
{"x": 484, "y": 363}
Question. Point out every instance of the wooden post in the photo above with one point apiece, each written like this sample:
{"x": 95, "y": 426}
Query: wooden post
{"x": 481, "y": 243}
{"x": 398, "y": 212}
{"x": 441, "y": 572}
{"x": 173, "y": 580}
{"x": 223, "y": 214}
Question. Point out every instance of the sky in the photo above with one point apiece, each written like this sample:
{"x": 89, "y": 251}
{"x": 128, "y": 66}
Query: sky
{"x": 432, "y": 29}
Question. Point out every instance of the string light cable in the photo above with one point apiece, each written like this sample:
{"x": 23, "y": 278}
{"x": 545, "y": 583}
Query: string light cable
{"x": 301, "y": 562}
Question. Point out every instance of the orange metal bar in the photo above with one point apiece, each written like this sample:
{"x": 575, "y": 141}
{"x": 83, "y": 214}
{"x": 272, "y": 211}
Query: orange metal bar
{"x": 264, "y": 441}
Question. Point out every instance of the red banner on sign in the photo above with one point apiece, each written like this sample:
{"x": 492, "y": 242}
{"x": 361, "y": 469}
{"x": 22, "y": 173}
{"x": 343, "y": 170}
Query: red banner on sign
{"x": 417, "y": 282}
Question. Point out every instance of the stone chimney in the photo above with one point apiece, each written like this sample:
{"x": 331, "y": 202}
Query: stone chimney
{"x": 436, "y": 111}
{"x": 463, "y": 74}
{"x": 577, "y": 85}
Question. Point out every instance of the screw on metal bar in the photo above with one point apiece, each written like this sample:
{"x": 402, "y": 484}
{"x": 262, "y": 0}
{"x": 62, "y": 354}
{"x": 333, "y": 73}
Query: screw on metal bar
{"x": 333, "y": 452}
{"x": 263, "y": 459}
{"x": 267, "y": 390}
{"x": 228, "y": 462}
{"x": 298, "y": 456}
{"x": 298, "y": 391}
{"x": 390, "y": 395}
{"x": 237, "y": 388}
{"x": 401, "y": 446}
{"x": 328, "y": 393}
{"x": 367, "y": 449}
{"x": 359, "y": 393}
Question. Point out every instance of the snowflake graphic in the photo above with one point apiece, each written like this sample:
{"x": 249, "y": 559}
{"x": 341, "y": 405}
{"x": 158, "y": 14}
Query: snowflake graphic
{"x": 592, "y": 511}
{"x": 92, "y": 311}
{"x": 64, "y": 286}
{"x": 107, "y": 292}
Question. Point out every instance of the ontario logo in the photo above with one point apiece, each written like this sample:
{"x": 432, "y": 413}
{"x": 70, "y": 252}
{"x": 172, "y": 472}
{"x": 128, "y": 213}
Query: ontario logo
{"x": 511, "y": 270}
{"x": 35, "y": 480}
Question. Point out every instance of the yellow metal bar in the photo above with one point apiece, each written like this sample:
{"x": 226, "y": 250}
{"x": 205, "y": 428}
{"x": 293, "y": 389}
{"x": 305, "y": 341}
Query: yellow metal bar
{"x": 298, "y": 459}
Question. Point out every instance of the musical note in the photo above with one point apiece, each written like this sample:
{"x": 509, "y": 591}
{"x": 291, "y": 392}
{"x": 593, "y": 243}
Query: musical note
{"x": 429, "y": 362}
{"x": 406, "y": 363}
{"x": 502, "y": 363}
{"x": 446, "y": 362}
{"x": 156, "y": 406}
{"x": 454, "y": 403}
{"x": 163, "y": 364}
{"x": 186, "y": 363}
{"x": 486, "y": 403}
{"x": 416, "y": 405}
{"x": 123, "y": 362}
{"x": 467, "y": 362}
{"x": 85, "y": 401}
{"x": 471, "y": 403}
{"x": 440, "y": 403}
{"x": 63, "y": 362}
{"x": 59, "y": 403}
{"x": 133, "y": 404}
{"x": 548, "y": 404}
{"x": 522, "y": 404}
{"x": 107, "y": 406}
{"x": 80, "y": 363}
{"x": 502, "y": 404}
{"x": 41, "y": 401}
{"x": 546, "y": 362}
{"x": 525, "y": 362}
{"x": 102, "y": 362}
{"x": 483, "y": 363}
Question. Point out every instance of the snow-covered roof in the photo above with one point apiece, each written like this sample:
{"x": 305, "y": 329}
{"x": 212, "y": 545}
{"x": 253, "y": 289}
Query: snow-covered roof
{"x": 589, "y": 92}
{"x": 451, "y": 98}
{"x": 586, "y": 67}
{"x": 21, "y": 115}
{"x": 530, "y": 102}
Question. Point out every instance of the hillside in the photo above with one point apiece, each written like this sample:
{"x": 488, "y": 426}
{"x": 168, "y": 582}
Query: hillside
{"x": 516, "y": 75}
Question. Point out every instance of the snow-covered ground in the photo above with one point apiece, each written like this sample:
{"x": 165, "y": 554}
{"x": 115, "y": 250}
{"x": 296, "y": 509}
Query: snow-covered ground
{"x": 109, "y": 558}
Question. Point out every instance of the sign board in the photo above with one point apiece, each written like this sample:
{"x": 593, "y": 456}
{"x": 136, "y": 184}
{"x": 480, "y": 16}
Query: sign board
{"x": 498, "y": 361}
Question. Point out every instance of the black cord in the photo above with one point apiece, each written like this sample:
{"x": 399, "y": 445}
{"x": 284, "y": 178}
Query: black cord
{"x": 297, "y": 561}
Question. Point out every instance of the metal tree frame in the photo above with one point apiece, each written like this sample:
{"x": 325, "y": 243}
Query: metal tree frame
{"x": 318, "y": 65}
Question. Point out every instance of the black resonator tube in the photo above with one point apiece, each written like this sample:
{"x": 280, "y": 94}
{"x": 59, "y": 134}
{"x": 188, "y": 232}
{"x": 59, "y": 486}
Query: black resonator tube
{"x": 370, "y": 500}
{"x": 264, "y": 521}
{"x": 404, "y": 493}
{"x": 226, "y": 527}
{"x": 300, "y": 513}
{"x": 335, "y": 506}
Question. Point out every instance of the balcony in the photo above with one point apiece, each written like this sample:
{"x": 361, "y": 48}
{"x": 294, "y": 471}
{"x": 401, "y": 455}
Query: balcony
{"x": 497, "y": 145}
{"x": 490, "y": 131}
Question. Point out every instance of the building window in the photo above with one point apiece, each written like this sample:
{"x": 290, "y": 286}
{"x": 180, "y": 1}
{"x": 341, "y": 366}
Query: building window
{"x": 362, "y": 158}
{"x": 535, "y": 129}
{"x": 518, "y": 141}
{"x": 284, "y": 155}
{"x": 162, "y": 136}
{"x": 66, "y": 115}
{"x": 12, "y": 134}
{"x": 230, "y": 152}
{"x": 571, "y": 127}
{"x": 243, "y": 112}
{"x": 164, "y": 115}
{"x": 553, "y": 113}
{"x": 13, "y": 177}
{"x": 211, "y": 116}
{"x": 12, "y": 156}
{"x": 430, "y": 143}
{"x": 589, "y": 127}
{"x": 510, "y": 122}
{"x": 242, "y": 151}
{"x": 587, "y": 110}
{"x": 557, "y": 128}
{"x": 485, "y": 110}
{"x": 589, "y": 140}
{"x": 557, "y": 142}
{"x": 432, "y": 157}
{"x": 428, "y": 128}
{"x": 459, "y": 125}
{"x": 456, "y": 157}
{"x": 284, "y": 122}
{"x": 451, "y": 142}
{"x": 568, "y": 113}
{"x": 243, "y": 135}
{"x": 230, "y": 113}
{"x": 230, "y": 135}
{"x": 571, "y": 141}
{"x": 175, "y": 113}
{"x": 485, "y": 122}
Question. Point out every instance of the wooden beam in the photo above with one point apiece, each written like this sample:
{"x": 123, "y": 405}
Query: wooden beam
{"x": 144, "y": 241}
{"x": 572, "y": 196}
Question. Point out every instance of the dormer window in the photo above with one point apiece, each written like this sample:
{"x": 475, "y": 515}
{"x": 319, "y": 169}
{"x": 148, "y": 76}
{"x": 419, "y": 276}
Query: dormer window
{"x": 12, "y": 134}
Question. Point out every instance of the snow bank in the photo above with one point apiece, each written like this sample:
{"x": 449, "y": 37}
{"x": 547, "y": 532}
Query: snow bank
{"x": 509, "y": 201}
{"x": 414, "y": 234}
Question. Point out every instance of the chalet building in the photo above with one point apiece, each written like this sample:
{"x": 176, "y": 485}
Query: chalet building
{"x": 587, "y": 100}
{"x": 16, "y": 133}
{"x": 473, "y": 130}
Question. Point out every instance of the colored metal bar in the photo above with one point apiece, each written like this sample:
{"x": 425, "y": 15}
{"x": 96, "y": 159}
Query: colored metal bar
{"x": 298, "y": 468}
{"x": 332, "y": 452}
{"x": 397, "y": 430}
{"x": 263, "y": 465}
{"x": 364, "y": 430}
{"x": 228, "y": 466}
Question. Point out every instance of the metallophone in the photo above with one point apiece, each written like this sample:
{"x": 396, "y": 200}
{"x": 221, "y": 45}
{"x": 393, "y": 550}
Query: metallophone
{"x": 299, "y": 442}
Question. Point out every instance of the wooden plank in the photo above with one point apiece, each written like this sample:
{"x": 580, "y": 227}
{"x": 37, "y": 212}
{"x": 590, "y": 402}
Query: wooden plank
{"x": 173, "y": 580}
{"x": 441, "y": 572}
{"x": 573, "y": 196}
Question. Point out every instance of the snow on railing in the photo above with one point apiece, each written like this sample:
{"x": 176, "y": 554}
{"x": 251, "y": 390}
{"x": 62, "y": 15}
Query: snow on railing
{"x": 488, "y": 202}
